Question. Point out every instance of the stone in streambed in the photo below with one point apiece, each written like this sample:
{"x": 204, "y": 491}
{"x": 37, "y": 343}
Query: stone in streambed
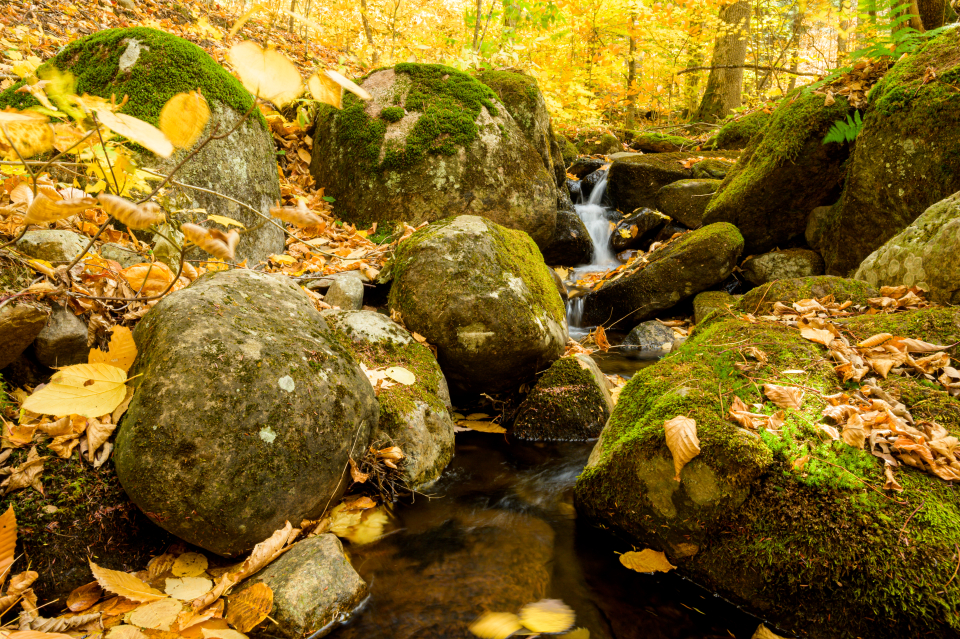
{"x": 686, "y": 200}
{"x": 648, "y": 340}
{"x": 482, "y": 294}
{"x": 633, "y": 182}
{"x": 637, "y": 229}
{"x": 571, "y": 244}
{"x": 781, "y": 265}
{"x": 345, "y": 293}
{"x": 245, "y": 411}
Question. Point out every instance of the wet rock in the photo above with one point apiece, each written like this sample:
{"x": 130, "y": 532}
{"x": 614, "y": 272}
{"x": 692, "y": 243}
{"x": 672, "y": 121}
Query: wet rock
{"x": 564, "y": 199}
{"x": 52, "y": 246}
{"x": 781, "y": 265}
{"x": 817, "y": 224}
{"x": 635, "y": 181}
{"x": 436, "y": 140}
{"x": 712, "y": 169}
{"x": 648, "y": 340}
{"x": 907, "y": 156}
{"x": 573, "y": 186}
{"x": 561, "y": 287}
{"x": 502, "y": 320}
{"x": 760, "y": 300}
{"x": 63, "y": 341}
{"x": 275, "y": 405}
{"x": 571, "y": 245}
{"x": 709, "y": 301}
{"x": 585, "y": 166}
{"x": 314, "y": 587}
{"x": 345, "y": 293}
{"x": 924, "y": 255}
{"x": 571, "y": 402}
{"x": 121, "y": 254}
{"x": 135, "y": 62}
{"x": 637, "y": 229}
{"x": 414, "y": 417}
{"x": 19, "y": 326}
{"x": 783, "y": 174}
{"x": 674, "y": 272}
{"x": 686, "y": 200}
{"x": 670, "y": 229}
{"x": 588, "y": 183}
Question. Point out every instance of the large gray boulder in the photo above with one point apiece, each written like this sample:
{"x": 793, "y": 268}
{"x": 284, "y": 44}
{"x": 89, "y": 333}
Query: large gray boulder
{"x": 780, "y": 265}
{"x": 907, "y": 155}
{"x": 926, "y": 254}
{"x": 691, "y": 263}
{"x": 433, "y": 141}
{"x": 783, "y": 174}
{"x": 415, "y": 417}
{"x": 245, "y": 412}
{"x": 150, "y": 67}
{"x": 571, "y": 244}
{"x": 648, "y": 340}
{"x": 483, "y": 296}
{"x": 19, "y": 326}
{"x": 52, "y": 245}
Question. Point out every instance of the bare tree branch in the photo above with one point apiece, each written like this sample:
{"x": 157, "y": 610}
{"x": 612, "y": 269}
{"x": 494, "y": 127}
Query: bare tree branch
{"x": 756, "y": 67}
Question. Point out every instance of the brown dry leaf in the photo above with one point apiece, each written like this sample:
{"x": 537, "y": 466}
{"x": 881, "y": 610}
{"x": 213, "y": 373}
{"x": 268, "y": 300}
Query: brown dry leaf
{"x": 267, "y": 74}
{"x": 223, "y": 584}
{"x": 323, "y": 89}
{"x": 853, "y": 433}
{"x": 213, "y": 241}
{"x": 756, "y": 354}
{"x": 61, "y": 624}
{"x": 136, "y": 216}
{"x": 195, "y": 631}
{"x": 125, "y": 632}
{"x": 800, "y": 462}
{"x": 646, "y": 560}
{"x": 784, "y": 396}
{"x": 8, "y": 542}
{"x": 247, "y": 608}
{"x": 84, "y": 597}
{"x": 355, "y": 473}
{"x": 148, "y": 279}
{"x": 600, "y": 337}
{"x": 19, "y": 584}
{"x": 136, "y": 130}
{"x": 265, "y": 552}
{"x": 43, "y": 210}
{"x": 26, "y": 474}
{"x": 547, "y": 615}
{"x": 298, "y": 215}
{"x": 97, "y": 435}
{"x": 820, "y": 336}
{"x": 125, "y": 584}
{"x": 189, "y": 564}
{"x": 28, "y": 132}
{"x": 156, "y": 615}
{"x": 120, "y": 353}
{"x": 115, "y": 606}
{"x": 919, "y": 346}
{"x": 496, "y": 625}
{"x": 891, "y": 481}
{"x": 682, "y": 441}
{"x": 183, "y": 118}
{"x": 875, "y": 340}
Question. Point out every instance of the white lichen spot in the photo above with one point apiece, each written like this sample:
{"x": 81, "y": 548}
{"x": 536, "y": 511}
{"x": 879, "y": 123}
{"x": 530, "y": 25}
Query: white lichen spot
{"x": 130, "y": 56}
{"x": 267, "y": 434}
{"x": 286, "y": 383}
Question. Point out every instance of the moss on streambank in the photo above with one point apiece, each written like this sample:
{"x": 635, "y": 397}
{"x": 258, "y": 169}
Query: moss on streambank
{"x": 801, "y": 546}
{"x": 566, "y": 404}
{"x": 737, "y": 133}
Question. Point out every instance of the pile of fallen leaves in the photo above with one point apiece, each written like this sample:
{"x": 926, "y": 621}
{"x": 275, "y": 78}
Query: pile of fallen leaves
{"x": 636, "y": 261}
{"x": 856, "y": 83}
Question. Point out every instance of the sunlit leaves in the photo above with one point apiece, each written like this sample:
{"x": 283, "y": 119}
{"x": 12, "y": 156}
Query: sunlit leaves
{"x": 323, "y": 89}
{"x": 90, "y": 390}
{"x": 183, "y": 118}
{"x": 266, "y": 73}
{"x": 138, "y": 131}
{"x": 24, "y": 134}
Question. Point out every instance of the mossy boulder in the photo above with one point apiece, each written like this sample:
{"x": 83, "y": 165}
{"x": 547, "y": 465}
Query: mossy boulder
{"x": 521, "y": 94}
{"x": 568, "y": 151}
{"x": 634, "y": 181}
{"x": 150, "y": 67}
{"x": 782, "y": 265}
{"x": 783, "y": 174}
{"x": 483, "y": 296}
{"x": 83, "y": 512}
{"x": 455, "y": 148}
{"x": 907, "y": 155}
{"x": 925, "y": 254}
{"x": 597, "y": 143}
{"x": 709, "y": 301}
{"x": 737, "y": 133}
{"x": 793, "y": 527}
{"x": 713, "y": 168}
{"x": 570, "y": 402}
{"x": 686, "y": 200}
{"x": 650, "y": 142}
{"x": 684, "y": 267}
{"x": 245, "y": 411}
{"x": 571, "y": 244}
{"x": 415, "y": 417}
{"x": 760, "y": 300}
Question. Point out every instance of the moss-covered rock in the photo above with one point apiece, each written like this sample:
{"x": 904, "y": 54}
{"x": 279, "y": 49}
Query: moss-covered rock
{"x": 782, "y": 265}
{"x": 597, "y": 143}
{"x": 924, "y": 254}
{"x": 634, "y": 181}
{"x": 737, "y": 132}
{"x": 457, "y": 148}
{"x": 149, "y": 67}
{"x": 521, "y": 94}
{"x": 684, "y": 267}
{"x": 650, "y": 142}
{"x": 570, "y": 402}
{"x": 245, "y": 411}
{"x": 568, "y": 151}
{"x": 713, "y": 168}
{"x": 907, "y": 155}
{"x": 482, "y": 294}
{"x": 571, "y": 244}
{"x": 783, "y": 174}
{"x": 800, "y": 545}
{"x": 686, "y": 200}
{"x": 415, "y": 417}
{"x": 760, "y": 300}
{"x": 709, "y": 301}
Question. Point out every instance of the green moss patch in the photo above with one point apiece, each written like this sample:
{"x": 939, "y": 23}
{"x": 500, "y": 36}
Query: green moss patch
{"x": 736, "y": 133}
{"x": 566, "y": 404}
{"x": 517, "y": 91}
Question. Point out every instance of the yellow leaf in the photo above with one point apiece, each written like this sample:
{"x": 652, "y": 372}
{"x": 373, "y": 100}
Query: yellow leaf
{"x": 547, "y": 615}
{"x": 136, "y": 216}
{"x": 189, "y": 564}
{"x": 225, "y": 221}
{"x": 8, "y": 542}
{"x": 402, "y": 375}
{"x": 496, "y": 625}
{"x": 84, "y": 596}
{"x": 120, "y": 353}
{"x": 27, "y": 132}
{"x": 183, "y": 118}
{"x": 298, "y": 215}
{"x": 138, "y": 131}
{"x": 125, "y": 632}
{"x": 647, "y": 560}
{"x": 43, "y": 210}
{"x": 125, "y": 585}
{"x": 148, "y": 279}
{"x": 157, "y": 615}
{"x": 763, "y": 632}
{"x": 483, "y": 427}
{"x": 875, "y": 340}
{"x": 325, "y": 90}
{"x": 682, "y": 441}
{"x": 783, "y": 396}
{"x": 349, "y": 85}
{"x": 225, "y": 633}
{"x": 90, "y": 390}
{"x": 213, "y": 241}
{"x": 268, "y": 74}
{"x": 188, "y": 588}
{"x": 246, "y": 609}
{"x": 817, "y": 335}
{"x": 283, "y": 259}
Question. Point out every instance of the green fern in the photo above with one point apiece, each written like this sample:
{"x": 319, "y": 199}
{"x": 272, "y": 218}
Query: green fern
{"x": 845, "y": 130}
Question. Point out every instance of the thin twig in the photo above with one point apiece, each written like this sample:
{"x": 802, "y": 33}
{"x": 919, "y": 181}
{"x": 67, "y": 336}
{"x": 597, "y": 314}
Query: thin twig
{"x": 908, "y": 520}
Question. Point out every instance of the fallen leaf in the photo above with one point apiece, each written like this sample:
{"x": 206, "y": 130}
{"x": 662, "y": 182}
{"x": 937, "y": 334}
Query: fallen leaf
{"x": 400, "y": 374}
{"x": 188, "y": 588}
{"x": 90, "y": 390}
{"x": 125, "y": 632}
{"x": 482, "y": 427}
{"x": 213, "y": 241}
{"x": 784, "y": 396}
{"x": 8, "y": 542}
{"x": 763, "y": 632}
{"x": 27, "y": 131}
{"x": 26, "y": 474}
{"x": 647, "y": 560}
{"x": 124, "y": 584}
{"x": 157, "y": 615}
{"x": 183, "y": 118}
{"x": 224, "y": 633}
{"x": 817, "y": 335}
{"x": 265, "y": 552}
{"x": 682, "y": 441}
{"x": 875, "y": 340}
{"x": 496, "y": 625}
{"x": 148, "y": 278}
{"x": 891, "y": 481}
{"x": 61, "y": 624}
{"x": 547, "y": 615}
{"x": 189, "y": 564}
{"x": 84, "y": 597}
{"x": 247, "y": 608}
{"x": 121, "y": 351}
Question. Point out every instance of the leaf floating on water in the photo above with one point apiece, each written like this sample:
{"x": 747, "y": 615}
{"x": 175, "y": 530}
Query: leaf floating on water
{"x": 547, "y": 615}
{"x": 249, "y": 607}
{"x": 682, "y": 441}
{"x": 763, "y": 632}
{"x": 784, "y": 396}
{"x": 481, "y": 427}
{"x": 646, "y": 560}
{"x": 496, "y": 625}
{"x": 189, "y": 564}
{"x": 125, "y": 585}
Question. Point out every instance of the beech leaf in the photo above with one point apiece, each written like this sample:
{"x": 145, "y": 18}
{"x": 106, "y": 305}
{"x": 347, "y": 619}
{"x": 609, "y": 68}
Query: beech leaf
{"x": 121, "y": 351}
{"x": 547, "y": 615}
{"x": 213, "y": 241}
{"x": 268, "y": 74}
{"x": 496, "y": 625}
{"x": 156, "y": 615}
{"x": 136, "y": 130}
{"x": 784, "y": 396}
{"x": 85, "y": 596}
{"x": 125, "y": 585}
{"x": 189, "y": 564}
{"x": 183, "y": 118}
{"x": 136, "y": 216}
{"x": 682, "y": 441}
{"x": 247, "y": 608}
{"x": 647, "y": 560}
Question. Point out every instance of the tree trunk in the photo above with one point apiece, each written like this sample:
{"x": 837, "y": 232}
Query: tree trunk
{"x": 932, "y": 13}
{"x": 841, "y": 35}
{"x": 795, "y": 56}
{"x": 910, "y": 8}
{"x": 723, "y": 92}
{"x": 293, "y": 8}
{"x": 368, "y": 31}
{"x": 631, "y": 77}
{"x": 476, "y": 26}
